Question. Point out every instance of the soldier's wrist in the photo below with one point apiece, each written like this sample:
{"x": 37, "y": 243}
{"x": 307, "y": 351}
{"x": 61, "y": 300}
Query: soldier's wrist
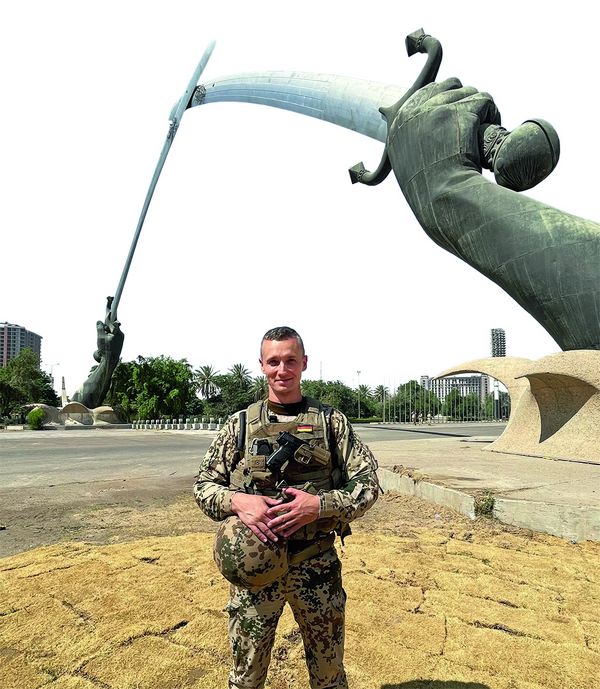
{"x": 326, "y": 507}
{"x": 227, "y": 505}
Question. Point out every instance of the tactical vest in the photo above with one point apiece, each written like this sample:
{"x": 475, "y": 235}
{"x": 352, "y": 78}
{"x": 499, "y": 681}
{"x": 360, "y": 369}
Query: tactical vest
{"x": 311, "y": 473}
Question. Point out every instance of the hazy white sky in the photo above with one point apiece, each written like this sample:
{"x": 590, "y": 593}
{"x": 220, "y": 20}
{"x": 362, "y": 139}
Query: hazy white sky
{"x": 254, "y": 222}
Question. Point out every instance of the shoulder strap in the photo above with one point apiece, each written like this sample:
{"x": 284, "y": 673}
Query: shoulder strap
{"x": 331, "y": 441}
{"x": 241, "y": 441}
{"x": 249, "y": 417}
{"x": 312, "y": 403}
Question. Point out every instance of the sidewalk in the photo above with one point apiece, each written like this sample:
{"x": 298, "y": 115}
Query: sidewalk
{"x": 556, "y": 497}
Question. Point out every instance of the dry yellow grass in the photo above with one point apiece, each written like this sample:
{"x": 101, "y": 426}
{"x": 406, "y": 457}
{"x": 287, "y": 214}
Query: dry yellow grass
{"x": 428, "y": 608}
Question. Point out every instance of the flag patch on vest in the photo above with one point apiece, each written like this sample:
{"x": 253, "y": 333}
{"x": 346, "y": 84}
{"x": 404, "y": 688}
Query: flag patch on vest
{"x": 304, "y": 428}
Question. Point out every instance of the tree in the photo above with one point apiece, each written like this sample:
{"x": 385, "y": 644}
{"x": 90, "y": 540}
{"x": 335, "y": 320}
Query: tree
{"x": 381, "y": 396}
{"x": 504, "y": 405}
{"x": 234, "y": 394}
{"x": 314, "y": 388}
{"x": 335, "y": 393}
{"x": 240, "y": 375}
{"x": 206, "y": 377}
{"x": 22, "y": 382}
{"x": 259, "y": 388}
{"x": 121, "y": 393}
{"x": 413, "y": 397}
{"x": 469, "y": 408}
{"x": 452, "y": 404}
{"x": 365, "y": 392}
{"x": 381, "y": 393}
{"x": 153, "y": 388}
{"x": 9, "y": 398}
{"x": 365, "y": 395}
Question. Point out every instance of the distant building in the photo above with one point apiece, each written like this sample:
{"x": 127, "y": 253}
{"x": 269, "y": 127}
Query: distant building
{"x": 498, "y": 342}
{"x": 466, "y": 385}
{"x": 14, "y": 338}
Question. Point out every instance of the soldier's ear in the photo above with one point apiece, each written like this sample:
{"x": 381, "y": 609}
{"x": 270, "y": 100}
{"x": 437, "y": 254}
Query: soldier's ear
{"x": 304, "y": 362}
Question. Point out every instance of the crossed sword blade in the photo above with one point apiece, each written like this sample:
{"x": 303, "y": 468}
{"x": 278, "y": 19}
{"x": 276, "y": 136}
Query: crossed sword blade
{"x": 174, "y": 121}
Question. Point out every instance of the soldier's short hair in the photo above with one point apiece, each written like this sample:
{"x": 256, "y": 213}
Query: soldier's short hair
{"x": 282, "y": 332}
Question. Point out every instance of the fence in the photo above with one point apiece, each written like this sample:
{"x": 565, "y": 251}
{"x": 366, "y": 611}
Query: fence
{"x": 196, "y": 424}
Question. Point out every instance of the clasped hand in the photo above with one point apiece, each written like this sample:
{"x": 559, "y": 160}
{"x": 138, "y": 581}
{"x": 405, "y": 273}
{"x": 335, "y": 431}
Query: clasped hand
{"x": 272, "y": 518}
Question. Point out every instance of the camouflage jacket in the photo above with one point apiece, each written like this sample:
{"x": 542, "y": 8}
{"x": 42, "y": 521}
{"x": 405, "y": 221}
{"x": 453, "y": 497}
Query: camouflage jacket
{"x": 359, "y": 485}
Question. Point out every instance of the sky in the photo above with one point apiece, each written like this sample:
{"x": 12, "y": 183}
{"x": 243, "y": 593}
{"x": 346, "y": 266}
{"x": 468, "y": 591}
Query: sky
{"x": 254, "y": 222}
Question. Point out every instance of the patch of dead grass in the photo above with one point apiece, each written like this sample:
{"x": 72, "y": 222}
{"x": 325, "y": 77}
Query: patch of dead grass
{"x": 434, "y": 602}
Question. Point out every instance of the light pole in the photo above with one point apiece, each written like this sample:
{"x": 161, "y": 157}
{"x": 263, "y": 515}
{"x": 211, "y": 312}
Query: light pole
{"x": 52, "y": 372}
{"x": 358, "y": 379}
{"x": 496, "y": 401}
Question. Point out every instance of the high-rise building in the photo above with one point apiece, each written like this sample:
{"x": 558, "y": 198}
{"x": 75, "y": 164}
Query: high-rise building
{"x": 14, "y": 338}
{"x": 498, "y": 342}
{"x": 466, "y": 385}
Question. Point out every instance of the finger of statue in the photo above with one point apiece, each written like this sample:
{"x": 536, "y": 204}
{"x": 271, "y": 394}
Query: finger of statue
{"x": 421, "y": 98}
{"x": 423, "y": 95}
{"x": 451, "y": 96}
{"x": 482, "y": 105}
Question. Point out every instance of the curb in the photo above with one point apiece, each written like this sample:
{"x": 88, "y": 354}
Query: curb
{"x": 439, "y": 495}
{"x": 575, "y": 523}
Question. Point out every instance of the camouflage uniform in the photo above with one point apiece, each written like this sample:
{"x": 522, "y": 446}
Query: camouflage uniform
{"x": 313, "y": 588}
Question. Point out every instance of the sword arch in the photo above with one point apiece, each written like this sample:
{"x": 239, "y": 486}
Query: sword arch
{"x": 519, "y": 159}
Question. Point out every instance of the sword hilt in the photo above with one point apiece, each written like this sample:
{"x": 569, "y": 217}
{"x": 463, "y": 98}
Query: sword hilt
{"x": 520, "y": 158}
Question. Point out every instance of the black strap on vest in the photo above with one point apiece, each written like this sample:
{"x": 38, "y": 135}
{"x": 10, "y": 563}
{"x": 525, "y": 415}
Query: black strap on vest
{"x": 331, "y": 441}
{"x": 241, "y": 443}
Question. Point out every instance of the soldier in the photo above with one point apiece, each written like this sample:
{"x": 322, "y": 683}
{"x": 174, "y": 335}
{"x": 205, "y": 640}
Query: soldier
{"x": 286, "y": 475}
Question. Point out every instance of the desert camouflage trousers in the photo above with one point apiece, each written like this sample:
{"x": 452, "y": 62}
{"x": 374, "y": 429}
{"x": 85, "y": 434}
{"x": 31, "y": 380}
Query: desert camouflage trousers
{"x": 313, "y": 589}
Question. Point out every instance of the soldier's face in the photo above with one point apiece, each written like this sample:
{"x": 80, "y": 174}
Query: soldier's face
{"x": 282, "y": 362}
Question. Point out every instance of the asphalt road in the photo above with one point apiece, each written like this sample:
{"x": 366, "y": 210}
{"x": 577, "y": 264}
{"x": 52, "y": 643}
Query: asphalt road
{"x": 31, "y": 458}
{"x": 51, "y": 458}
{"x": 96, "y": 485}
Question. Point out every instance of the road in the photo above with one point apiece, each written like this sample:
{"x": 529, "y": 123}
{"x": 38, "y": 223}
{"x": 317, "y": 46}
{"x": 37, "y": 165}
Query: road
{"x": 31, "y": 458}
{"x": 52, "y": 458}
{"x": 102, "y": 485}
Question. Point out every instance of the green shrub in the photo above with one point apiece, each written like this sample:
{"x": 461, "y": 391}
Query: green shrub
{"x": 484, "y": 505}
{"x": 35, "y": 419}
{"x": 368, "y": 419}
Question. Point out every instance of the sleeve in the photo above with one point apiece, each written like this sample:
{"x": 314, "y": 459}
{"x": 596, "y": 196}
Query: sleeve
{"x": 211, "y": 487}
{"x": 360, "y": 485}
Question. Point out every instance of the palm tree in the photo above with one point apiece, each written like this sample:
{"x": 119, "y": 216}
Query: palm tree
{"x": 365, "y": 392}
{"x": 206, "y": 377}
{"x": 381, "y": 393}
{"x": 259, "y": 388}
{"x": 241, "y": 375}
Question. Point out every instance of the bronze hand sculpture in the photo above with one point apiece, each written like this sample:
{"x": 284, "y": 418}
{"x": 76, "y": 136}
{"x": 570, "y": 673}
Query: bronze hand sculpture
{"x": 438, "y": 140}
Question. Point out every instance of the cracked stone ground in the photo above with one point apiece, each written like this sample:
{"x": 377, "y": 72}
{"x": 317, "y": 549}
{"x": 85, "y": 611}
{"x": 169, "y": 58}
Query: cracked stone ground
{"x": 434, "y": 602}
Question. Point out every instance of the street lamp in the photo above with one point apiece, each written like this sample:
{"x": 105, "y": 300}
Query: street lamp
{"x": 358, "y": 379}
{"x": 496, "y": 401}
{"x": 52, "y": 372}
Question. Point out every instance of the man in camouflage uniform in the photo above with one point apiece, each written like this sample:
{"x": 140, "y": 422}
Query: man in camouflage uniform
{"x": 340, "y": 488}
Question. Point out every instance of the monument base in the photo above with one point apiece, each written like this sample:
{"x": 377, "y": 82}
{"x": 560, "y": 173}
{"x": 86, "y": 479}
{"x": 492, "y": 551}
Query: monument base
{"x": 76, "y": 414}
{"x": 555, "y": 404}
